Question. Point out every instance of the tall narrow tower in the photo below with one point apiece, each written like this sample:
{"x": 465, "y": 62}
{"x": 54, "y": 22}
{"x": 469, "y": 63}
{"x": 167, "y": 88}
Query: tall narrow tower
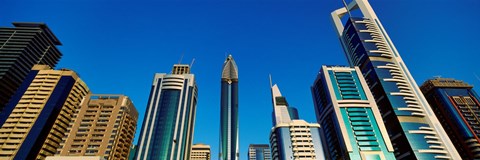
{"x": 229, "y": 111}
{"x": 167, "y": 130}
{"x": 413, "y": 128}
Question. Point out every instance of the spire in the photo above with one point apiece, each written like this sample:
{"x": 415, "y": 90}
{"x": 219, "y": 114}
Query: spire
{"x": 230, "y": 71}
{"x": 280, "y": 107}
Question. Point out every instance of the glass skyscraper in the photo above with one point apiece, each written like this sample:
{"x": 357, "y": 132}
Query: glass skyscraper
{"x": 290, "y": 137}
{"x": 229, "y": 111}
{"x": 352, "y": 127}
{"x": 167, "y": 130}
{"x": 21, "y": 47}
{"x": 457, "y": 107}
{"x": 413, "y": 128}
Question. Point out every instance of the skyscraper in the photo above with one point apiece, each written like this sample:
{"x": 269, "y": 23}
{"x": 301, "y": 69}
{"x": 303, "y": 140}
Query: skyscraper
{"x": 229, "y": 111}
{"x": 352, "y": 127}
{"x": 200, "y": 152}
{"x": 36, "y": 119}
{"x": 457, "y": 107}
{"x": 21, "y": 47}
{"x": 414, "y": 130}
{"x": 167, "y": 130}
{"x": 259, "y": 152}
{"x": 290, "y": 137}
{"x": 104, "y": 125}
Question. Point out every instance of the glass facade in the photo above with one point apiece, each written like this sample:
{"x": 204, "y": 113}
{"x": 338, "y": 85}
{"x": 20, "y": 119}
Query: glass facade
{"x": 457, "y": 106}
{"x": 167, "y": 131}
{"x": 352, "y": 128}
{"x": 229, "y": 111}
{"x": 399, "y": 101}
{"x": 165, "y": 124}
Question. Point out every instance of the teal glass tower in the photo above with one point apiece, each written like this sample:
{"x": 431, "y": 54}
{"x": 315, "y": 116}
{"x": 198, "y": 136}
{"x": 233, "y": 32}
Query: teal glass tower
{"x": 413, "y": 128}
{"x": 167, "y": 130}
{"x": 229, "y": 111}
{"x": 352, "y": 127}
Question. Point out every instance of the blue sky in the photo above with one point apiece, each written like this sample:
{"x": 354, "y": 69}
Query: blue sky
{"x": 117, "y": 46}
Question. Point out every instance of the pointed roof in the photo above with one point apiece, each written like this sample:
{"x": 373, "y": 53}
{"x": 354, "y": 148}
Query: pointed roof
{"x": 230, "y": 71}
{"x": 280, "y": 107}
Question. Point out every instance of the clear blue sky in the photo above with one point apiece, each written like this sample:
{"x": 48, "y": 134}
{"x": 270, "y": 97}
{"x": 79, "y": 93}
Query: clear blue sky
{"x": 117, "y": 46}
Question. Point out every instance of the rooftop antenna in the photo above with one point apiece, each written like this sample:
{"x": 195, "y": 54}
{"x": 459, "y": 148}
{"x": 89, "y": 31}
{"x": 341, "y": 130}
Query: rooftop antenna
{"x": 181, "y": 58}
{"x": 476, "y": 76}
{"x": 437, "y": 76}
{"x": 191, "y": 64}
{"x": 346, "y": 7}
{"x": 270, "y": 77}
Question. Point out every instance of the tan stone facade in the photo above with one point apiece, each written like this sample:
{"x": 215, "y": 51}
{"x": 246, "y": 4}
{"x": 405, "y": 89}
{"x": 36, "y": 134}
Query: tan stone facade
{"x": 104, "y": 126}
{"x": 44, "y": 101}
{"x": 200, "y": 152}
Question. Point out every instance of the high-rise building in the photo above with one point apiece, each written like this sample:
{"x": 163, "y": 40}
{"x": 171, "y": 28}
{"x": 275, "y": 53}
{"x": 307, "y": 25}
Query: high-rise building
{"x": 229, "y": 111}
{"x": 290, "y": 137}
{"x": 259, "y": 152}
{"x": 200, "y": 152}
{"x": 414, "y": 130}
{"x": 21, "y": 47}
{"x": 39, "y": 113}
{"x": 457, "y": 108}
{"x": 104, "y": 125}
{"x": 167, "y": 130}
{"x": 352, "y": 127}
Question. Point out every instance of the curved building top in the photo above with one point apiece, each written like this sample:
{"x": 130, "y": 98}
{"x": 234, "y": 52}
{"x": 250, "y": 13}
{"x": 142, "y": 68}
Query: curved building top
{"x": 230, "y": 71}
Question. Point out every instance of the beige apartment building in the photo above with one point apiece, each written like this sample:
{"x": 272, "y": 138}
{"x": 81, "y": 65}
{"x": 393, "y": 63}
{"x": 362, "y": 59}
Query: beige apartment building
{"x": 104, "y": 126}
{"x": 200, "y": 152}
{"x": 38, "y": 114}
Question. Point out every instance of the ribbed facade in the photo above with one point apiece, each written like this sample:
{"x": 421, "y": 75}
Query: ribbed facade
{"x": 200, "y": 152}
{"x": 292, "y": 138}
{"x": 457, "y": 107}
{"x": 352, "y": 127}
{"x": 104, "y": 125}
{"x": 414, "y": 130}
{"x": 167, "y": 130}
{"x": 259, "y": 152}
{"x": 39, "y": 113}
{"x": 229, "y": 111}
{"x": 21, "y": 47}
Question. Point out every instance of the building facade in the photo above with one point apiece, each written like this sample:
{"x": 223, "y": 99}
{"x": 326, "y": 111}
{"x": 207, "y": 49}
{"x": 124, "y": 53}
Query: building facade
{"x": 352, "y": 127}
{"x": 414, "y": 130}
{"x": 200, "y": 152}
{"x": 104, "y": 125}
{"x": 21, "y": 47}
{"x": 167, "y": 130}
{"x": 39, "y": 113}
{"x": 229, "y": 111}
{"x": 456, "y": 105}
{"x": 292, "y": 138}
{"x": 259, "y": 152}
